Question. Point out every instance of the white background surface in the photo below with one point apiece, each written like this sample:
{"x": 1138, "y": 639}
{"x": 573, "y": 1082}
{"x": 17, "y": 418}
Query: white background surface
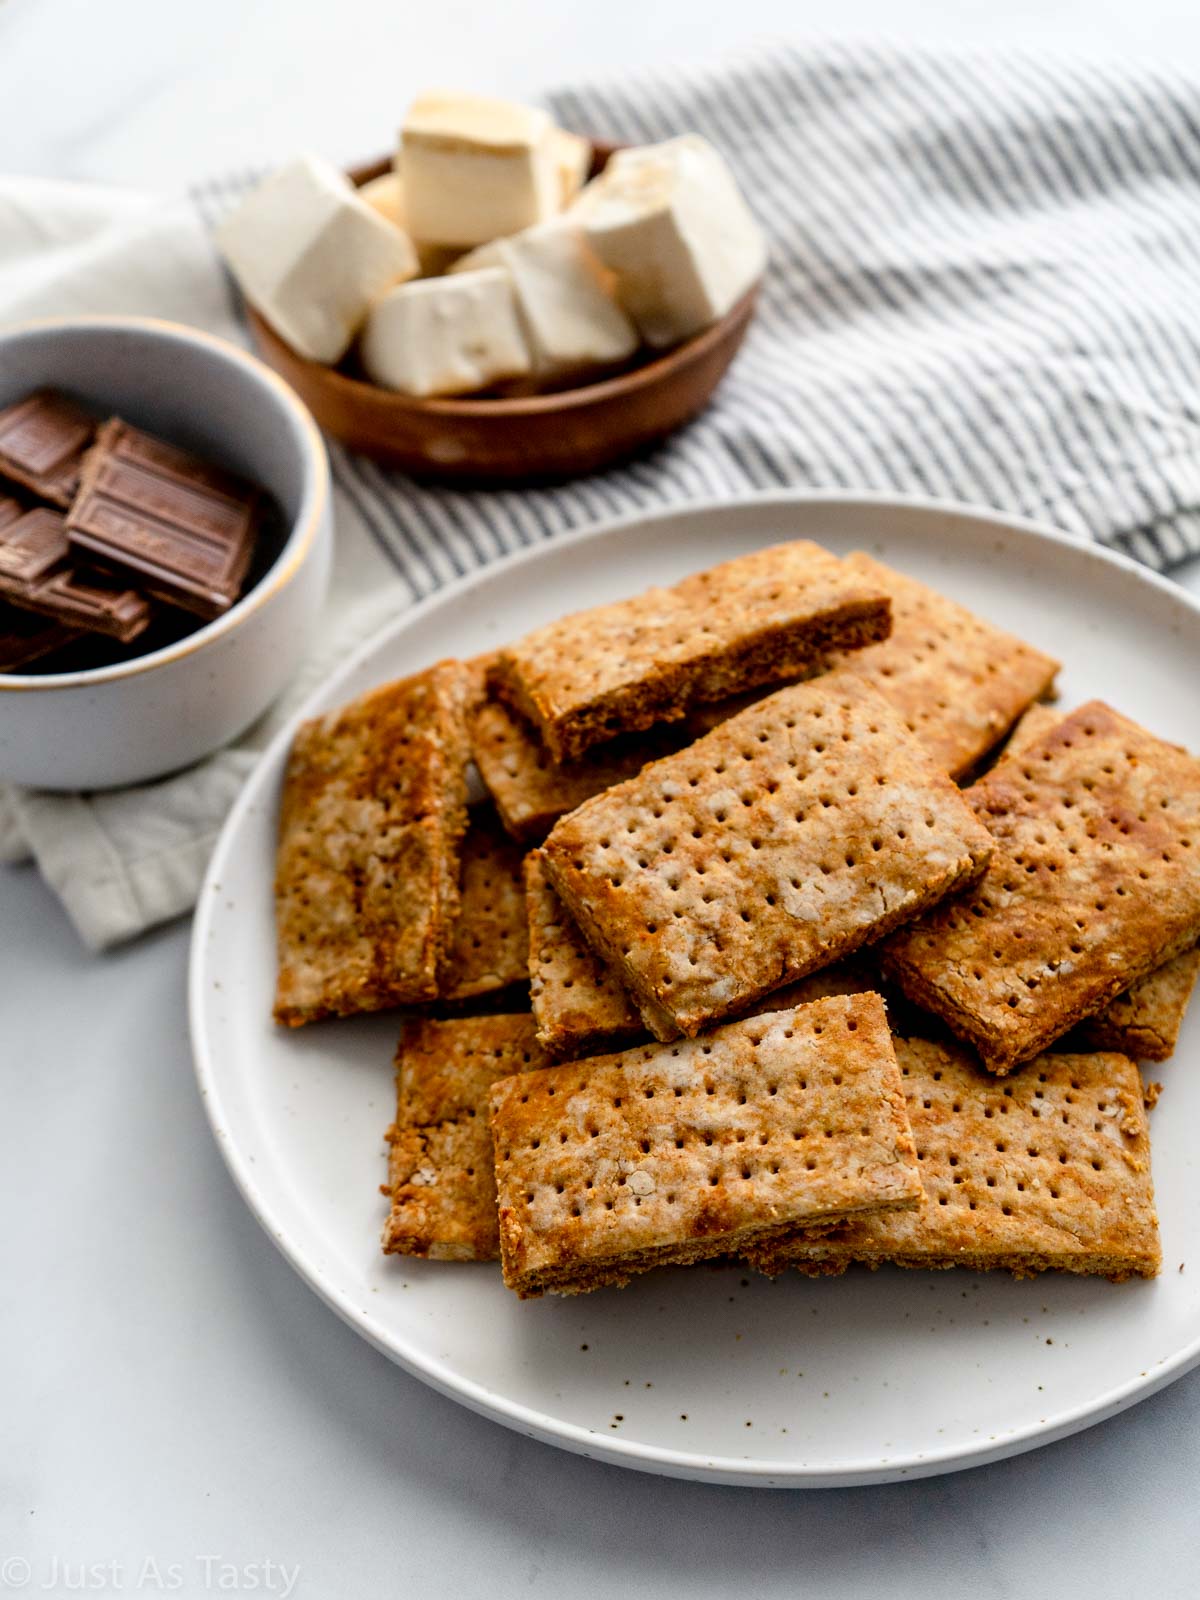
{"x": 169, "y": 1390}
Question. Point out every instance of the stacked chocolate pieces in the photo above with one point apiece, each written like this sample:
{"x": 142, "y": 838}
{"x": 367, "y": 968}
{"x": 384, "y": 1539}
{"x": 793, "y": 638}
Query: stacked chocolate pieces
{"x": 98, "y": 522}
{"x": 743, "y": 800}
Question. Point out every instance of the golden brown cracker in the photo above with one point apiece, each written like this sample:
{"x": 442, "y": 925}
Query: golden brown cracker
{"x": 761, "y": 618}
{"x": 489, "y": 947}
{"x": 1049, "y": 1170}
{"x": 530, "y": 789}
{"x": 441, "y": 1171}
{"x": 366, "y": 883}
{"x": 1094, "y": 882}
{"x": 1144, "y": 1022}
{"x": 578, "y": 1003}
{"x": 958, "y": 682}
{"x": 781, "y": 842}
{"x": 678, "y": 1153}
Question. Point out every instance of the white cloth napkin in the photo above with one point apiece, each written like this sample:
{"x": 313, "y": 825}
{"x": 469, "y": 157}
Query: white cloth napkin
{"x": 984, "y": 285}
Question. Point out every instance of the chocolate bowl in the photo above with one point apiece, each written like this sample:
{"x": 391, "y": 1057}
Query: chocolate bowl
{"x": 524, "y": 439}
{"x": 133, "y": 719}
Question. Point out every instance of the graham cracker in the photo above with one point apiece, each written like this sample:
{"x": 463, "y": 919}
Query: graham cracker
{"x": 1144, "y": 1022}
{"x": 479, "y": 669}
{"x": 530, "y": 790}
{"x": 761, "y": 618}
{"x": 958, "y": 682}
{"x": 1094, "y": 882}
{"x": 578, "y": 1003}
{"x": 670, "y": 1154}
{"x": 1031, "y": 727}
{"x": 441, "y": 1171}
{"x": 779, "y": 843}
{"x": 1047, "y": 1172}
{"x": 489, "y": 946}
{"x": 366, "y": 880}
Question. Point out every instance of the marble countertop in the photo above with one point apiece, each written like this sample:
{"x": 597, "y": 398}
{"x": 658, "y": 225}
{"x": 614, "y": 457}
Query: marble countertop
{"x": 179, "y": 1410}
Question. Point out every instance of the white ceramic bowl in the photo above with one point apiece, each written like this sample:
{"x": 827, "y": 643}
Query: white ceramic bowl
{"x": 153, "y": 714}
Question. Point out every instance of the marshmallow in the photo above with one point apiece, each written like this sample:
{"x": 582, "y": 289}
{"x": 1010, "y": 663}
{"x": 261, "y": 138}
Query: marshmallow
{"x": 475, "y": 169}
{"x": 311, "y": 256}
{"x": 385, "y": 194}
{"x": 450, "y": 335}
{"x": 573, "y": 159}
{"x": 572, "y": 323}
{"x": 670, "y": 223}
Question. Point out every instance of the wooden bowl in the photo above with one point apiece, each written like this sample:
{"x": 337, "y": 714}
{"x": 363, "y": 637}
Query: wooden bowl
{"x": 502, "y": 440}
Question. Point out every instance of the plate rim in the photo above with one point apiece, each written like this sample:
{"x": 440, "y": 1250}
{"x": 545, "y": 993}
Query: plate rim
{"x": 542, "y": 1425}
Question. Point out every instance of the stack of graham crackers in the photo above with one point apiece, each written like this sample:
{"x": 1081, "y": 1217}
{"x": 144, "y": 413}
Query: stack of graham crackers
{"x": 737, "y": 959}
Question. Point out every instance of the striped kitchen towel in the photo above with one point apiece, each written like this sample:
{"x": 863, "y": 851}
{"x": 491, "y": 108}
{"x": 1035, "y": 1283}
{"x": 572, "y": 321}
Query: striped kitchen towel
{"x": 984, "y": 285}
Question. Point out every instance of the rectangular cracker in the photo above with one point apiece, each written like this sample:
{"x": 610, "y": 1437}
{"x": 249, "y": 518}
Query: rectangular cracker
{"x": 958, "y": 682}
{"x": 1094, "y": 882}
{"x": 761, "y": 618}
{"x": 441, "y": 1169}
{"x": 779, "y": 843}
{"x": 532, "y": 791}
{"x": 578, "y": 1003}
{"x": 1047, "y": 1172}
{"x": 1144, "y": 1022}
{"x": 366, "y": 881}
{"x": 669, "y": 1154}
{"x": 489, "y": 945}
{"x": 1032, "y": 726}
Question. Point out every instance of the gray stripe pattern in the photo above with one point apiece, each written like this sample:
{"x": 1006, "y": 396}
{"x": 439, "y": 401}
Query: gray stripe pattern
{"x": 984, "y": 285}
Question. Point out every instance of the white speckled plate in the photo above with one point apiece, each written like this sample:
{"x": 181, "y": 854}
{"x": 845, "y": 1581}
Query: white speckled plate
{"x": 711, "y": 1373}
